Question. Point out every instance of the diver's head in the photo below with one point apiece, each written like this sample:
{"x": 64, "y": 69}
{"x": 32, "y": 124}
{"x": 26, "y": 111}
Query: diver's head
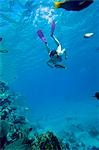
{"x": 57, "y": 4}
{"x": 53, "y": 53}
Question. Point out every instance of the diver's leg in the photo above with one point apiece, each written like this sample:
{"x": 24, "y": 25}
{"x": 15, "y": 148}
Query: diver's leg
{"x": 47, "y": 48}
{"x": 56, "y": 40}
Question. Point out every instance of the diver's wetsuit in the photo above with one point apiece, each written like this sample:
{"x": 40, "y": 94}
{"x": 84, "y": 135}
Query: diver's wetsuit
{"x": 53, "y": 53}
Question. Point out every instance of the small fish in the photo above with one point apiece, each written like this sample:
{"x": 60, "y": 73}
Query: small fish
{"x": 1, "y": 39}
{"x": 26, "y": 108}
{"x": 88, "y": 35}
{"x": 3, "y": 51}
{"x": 96, "y": 95}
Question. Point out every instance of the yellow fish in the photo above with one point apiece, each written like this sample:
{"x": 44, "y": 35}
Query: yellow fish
{"x": 73, "y": 5}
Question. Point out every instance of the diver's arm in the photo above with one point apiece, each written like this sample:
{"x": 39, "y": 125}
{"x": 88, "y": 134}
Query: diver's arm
{"x": 49, "y": 63}
{"x": 48, "y": 49}
{"x": 56, "y": 40}
{"x": 64, "y": 52}
{"x": 60, "y": 66}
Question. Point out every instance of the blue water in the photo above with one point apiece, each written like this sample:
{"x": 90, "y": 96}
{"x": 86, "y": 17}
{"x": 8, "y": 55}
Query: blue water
{"x": 51, "y": 94}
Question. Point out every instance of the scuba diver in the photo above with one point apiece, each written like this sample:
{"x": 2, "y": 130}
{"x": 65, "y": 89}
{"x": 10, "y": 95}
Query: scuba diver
{"x": 55, "y": 55}
{"x": 74, "y": 5}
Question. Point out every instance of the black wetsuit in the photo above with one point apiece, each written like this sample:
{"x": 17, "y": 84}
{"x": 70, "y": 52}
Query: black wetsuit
{"x": 54, "y": 52}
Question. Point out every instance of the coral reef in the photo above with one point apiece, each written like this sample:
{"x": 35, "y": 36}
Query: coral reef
{"x": 15, "y": 132}
{"x": 4, "y": 129}
{"x": 18, "y": 134}
{"x": 93, "y": 131}
{"x": 3, "y": 87}
{"x": 18, "y": 145}
{"x": 11, "y": 124}
{"x": 47, "y": 141}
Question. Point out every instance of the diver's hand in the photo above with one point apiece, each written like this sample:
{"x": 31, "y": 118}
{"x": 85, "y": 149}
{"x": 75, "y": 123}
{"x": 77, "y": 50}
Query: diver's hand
{"x": 60, "y": 66}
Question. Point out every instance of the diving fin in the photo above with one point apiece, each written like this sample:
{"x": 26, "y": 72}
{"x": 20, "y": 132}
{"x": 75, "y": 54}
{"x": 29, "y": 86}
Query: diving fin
{"x": 41, "y": 36}
{"x": 52, "y": 27}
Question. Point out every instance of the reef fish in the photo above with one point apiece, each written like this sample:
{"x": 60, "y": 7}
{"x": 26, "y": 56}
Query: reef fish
{"x": 74, "y": 5}
{"x": 96, "y": 95}
{"x": 88, "y": 35}
{"x": 3, "y": 51}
